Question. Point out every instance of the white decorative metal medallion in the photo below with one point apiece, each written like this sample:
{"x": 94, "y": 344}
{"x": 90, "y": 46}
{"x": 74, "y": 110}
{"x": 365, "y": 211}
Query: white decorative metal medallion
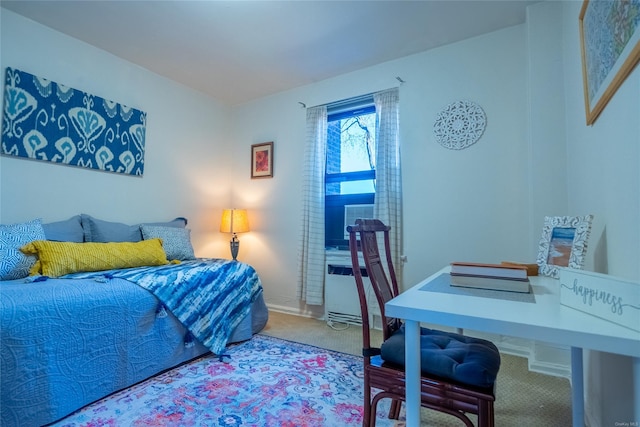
{"x": 459, "y": 125}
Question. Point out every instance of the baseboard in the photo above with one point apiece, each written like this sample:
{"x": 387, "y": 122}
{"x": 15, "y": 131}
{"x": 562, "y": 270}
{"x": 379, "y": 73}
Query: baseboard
{"x": 551, "y": 359}
{"x": 554, "y": 369}
{"x": 295, "y": 312}
{"x": 541, "y": 357}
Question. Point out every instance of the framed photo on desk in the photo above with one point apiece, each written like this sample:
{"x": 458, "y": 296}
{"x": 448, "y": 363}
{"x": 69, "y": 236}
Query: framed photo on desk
{"x": 563, "y": 243}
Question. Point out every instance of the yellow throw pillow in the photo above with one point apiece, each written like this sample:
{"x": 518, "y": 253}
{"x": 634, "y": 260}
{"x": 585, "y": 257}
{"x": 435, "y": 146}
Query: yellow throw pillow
{"x": 60, "y": 258}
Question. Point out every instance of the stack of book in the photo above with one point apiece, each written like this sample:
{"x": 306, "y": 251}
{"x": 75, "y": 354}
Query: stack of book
{"x": 498, "y": 277}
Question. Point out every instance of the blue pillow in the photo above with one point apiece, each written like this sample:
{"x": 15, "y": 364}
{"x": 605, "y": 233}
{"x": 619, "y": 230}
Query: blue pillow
{"x": 179, "y": 222}
{"x": 97, "y": 230}
{"x": 13, "y": 263}
{"x": 69, "y": 230}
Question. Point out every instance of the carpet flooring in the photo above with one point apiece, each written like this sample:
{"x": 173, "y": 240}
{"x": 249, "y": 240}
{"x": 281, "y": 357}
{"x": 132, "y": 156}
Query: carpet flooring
{"x": 271, "y": 382}
{"x": 523, "y": 398}
{"x": 264, "y": 382}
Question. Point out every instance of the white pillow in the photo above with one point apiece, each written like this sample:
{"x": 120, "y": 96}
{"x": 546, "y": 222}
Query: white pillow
{"x": 176, "y": 242}
{"x": 13, "y": 263}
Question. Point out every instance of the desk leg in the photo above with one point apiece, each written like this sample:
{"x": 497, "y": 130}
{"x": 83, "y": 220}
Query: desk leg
{"x": 412, "y": 372}
{"x": 636, "y": 390}
{"x": 577, "y": 387}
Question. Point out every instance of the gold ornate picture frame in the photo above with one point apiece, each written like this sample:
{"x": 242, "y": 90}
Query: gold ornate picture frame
{"x": 610, "y": 48}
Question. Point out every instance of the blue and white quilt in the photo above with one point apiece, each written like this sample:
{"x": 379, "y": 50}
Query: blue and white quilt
{"x": 209, "y": 296}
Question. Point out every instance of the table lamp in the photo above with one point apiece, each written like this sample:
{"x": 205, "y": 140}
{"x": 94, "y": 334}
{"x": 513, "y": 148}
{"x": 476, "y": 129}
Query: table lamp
{"x": 234, "y": 221}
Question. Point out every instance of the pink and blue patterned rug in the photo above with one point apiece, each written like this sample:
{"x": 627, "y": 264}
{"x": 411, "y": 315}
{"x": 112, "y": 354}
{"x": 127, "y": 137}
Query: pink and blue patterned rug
{"x": 266, "y": 382}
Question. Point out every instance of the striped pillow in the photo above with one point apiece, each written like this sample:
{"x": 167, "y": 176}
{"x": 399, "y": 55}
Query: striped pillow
{"x": 175, "y": 241}
{"x": 13, "y": 263}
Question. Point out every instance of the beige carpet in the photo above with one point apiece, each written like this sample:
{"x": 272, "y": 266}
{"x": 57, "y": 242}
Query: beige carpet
{"x": 524, "y": 399}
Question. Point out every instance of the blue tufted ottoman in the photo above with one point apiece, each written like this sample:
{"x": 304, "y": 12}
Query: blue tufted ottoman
{"x": 464, "y": 359}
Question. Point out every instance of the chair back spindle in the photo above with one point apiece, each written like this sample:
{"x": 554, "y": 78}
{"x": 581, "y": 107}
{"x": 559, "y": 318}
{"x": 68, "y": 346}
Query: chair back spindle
{"x": 383, "y": 288}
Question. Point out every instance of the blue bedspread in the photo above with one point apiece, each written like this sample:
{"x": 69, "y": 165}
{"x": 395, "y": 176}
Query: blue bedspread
{"x": 67, "y": 342}
{"x": 209, "y": 296}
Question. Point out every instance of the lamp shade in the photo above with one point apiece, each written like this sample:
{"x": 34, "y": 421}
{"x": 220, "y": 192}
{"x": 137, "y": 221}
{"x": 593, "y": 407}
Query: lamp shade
{"x": 234, "y": 221}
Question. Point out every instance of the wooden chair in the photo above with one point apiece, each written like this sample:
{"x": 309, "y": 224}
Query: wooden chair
{"x": 466, "y": 383}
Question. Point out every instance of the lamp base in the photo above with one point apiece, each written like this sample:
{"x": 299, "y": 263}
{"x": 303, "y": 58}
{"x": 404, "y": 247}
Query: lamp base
{"x": 234, "y": 244}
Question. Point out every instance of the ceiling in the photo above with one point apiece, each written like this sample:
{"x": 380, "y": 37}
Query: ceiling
{"x": 237, "y": 51}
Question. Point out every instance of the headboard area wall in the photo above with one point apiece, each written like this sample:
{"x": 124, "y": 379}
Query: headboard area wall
{"x": 186, "y": 164}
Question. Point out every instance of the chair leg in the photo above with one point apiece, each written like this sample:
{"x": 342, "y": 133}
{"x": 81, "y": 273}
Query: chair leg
{"x": 366, "y": 415}
{"x": 486, "y": 416}
{"x": 394, "y": 410}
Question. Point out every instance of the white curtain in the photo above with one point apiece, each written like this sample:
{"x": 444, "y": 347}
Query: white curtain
{"x": 311, "y": 246}
{"x": 388, "y": 200}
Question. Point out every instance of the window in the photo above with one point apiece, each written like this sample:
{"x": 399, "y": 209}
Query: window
{"x": 350, "y": 168}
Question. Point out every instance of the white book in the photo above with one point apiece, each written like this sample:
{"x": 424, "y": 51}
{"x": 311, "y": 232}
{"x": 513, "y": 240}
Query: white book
{"x": 490, "y": 270}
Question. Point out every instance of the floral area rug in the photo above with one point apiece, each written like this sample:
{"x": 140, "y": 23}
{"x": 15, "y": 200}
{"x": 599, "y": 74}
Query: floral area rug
{"x": 266, "y": 381}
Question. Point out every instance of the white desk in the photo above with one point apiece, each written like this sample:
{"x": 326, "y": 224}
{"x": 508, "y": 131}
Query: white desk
{"x": 543, "y": 320}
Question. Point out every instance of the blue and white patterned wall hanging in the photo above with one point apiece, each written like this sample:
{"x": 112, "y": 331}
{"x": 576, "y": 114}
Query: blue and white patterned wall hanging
{"x": 44, "y": 120}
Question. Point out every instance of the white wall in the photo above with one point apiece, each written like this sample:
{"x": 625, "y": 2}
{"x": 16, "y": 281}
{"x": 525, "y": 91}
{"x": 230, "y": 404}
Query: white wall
{"x": 603, "y": 161}
{"x": 546, "y": 119}
{"x": 598, "y": 168}
{"x": 186, "y": 160}
{"x": 470, "y": 204}
{"x": 603, "y": 177}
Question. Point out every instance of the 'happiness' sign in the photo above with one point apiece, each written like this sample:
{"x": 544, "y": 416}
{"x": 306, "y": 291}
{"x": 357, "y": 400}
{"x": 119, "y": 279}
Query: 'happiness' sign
{"x": 601, "y": 295}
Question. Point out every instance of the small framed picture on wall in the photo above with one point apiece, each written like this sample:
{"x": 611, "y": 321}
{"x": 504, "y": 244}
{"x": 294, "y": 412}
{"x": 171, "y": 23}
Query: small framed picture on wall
{"x": 262, "y": 160}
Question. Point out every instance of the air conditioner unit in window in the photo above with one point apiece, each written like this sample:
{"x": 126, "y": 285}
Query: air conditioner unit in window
{"x": 353, "y": 212}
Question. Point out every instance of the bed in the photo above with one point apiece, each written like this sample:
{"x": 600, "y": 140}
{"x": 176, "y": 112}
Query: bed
{"x": 70, "y": 339}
